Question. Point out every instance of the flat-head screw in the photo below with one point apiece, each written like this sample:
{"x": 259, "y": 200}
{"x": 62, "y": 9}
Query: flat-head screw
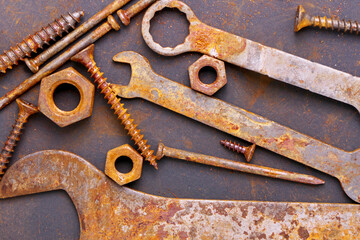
{"x": 302, "y": 19}
{"x": 86, "y": 58}
{"x": 37, "y": 40}
{"x": 247, "y": 151}
{"x": 25, "y": 111}
{"x": 126, "y": 15}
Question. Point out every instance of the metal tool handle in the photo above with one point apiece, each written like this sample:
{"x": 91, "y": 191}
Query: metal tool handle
{"x": 254, "y": 56}
{"x": 238, "y": 122}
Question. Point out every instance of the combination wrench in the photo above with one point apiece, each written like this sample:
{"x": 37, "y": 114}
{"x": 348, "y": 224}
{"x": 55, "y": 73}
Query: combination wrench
{"x": 254, "y": 56}
{"x": 148, "y": 85}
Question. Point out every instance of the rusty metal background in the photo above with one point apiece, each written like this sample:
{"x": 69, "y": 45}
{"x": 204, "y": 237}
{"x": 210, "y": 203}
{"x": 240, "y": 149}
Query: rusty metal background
{"x": 53, "y": 216}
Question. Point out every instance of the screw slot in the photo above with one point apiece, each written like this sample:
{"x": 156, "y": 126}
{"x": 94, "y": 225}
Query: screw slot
{"x": 66, "y": 97}
{"x": 124, "y": 164}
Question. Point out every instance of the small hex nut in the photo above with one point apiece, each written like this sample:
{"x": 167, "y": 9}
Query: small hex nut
{"x": 206, "y": 61}
{"x": 46, "y": 97}
{"x": 123, "y": 151}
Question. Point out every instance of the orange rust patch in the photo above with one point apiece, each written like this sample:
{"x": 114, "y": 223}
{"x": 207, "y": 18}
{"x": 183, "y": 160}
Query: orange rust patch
{"x": 217, "y": 43}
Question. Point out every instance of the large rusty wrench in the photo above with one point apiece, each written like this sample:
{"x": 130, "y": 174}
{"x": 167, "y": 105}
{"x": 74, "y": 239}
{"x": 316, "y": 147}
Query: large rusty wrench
{"x": 109, "y": 211}
{"x": 238, "y": 122}
{"x": 254, "y": 56}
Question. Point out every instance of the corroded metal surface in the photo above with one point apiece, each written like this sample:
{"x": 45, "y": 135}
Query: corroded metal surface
{"x": 53, "y": 216}
{"x": 126, "y": 15}
{"x": 86, "y": 58}
{"x": 109, "y": 211}
{"x": 37, "y": 40}
{"x": 235, "y": 147}
{"x": 254, "y": 56}
{"x": 123, "y": 151}
{"x": 234, "y": 165}
{"x": 47, "y": 104}
{"x": 35, "y": 63}
{"x": 302, "y": 20}
{"x": 198, "y": 85}
{"x": 146, "y": 84}
{"x": 26, "y": 109}
{"x": 59, "y": 61}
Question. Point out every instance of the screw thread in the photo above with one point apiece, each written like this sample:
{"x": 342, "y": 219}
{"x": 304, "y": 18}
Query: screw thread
{"x": 121, "y": 112}
{"x": 336, "y": 24}
{"x": 10, "y": 143}
{"x": 233, "y": 146}
{"x": 37, "y": 40}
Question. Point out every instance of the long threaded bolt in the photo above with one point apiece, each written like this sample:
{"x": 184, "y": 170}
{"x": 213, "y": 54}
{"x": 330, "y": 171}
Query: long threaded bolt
{"x": 126, "y": 15}
{"x": 37, "y": 40}
{"x": 86, "y": 58}
{"x": 236, "y": 166}
{"x": 247, "y": 151}
{"x": 303, "y": 19}
{"x": 25, "y": 111}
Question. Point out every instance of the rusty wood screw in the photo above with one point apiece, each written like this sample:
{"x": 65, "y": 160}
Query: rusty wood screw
{"x": 60, "y": 60}
{"x": 302, "y": 20}
{"x": 247, "y": 151}
{"x": 37, "y": 40}
{"x": 36, "y": 62}
{"x": 236, "y": 166}
{"x": 86, "y": 58}
{"x": 25, "y": 111}
{"x": 126, "y": 15}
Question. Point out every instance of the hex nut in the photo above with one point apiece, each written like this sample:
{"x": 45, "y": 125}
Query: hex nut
{"x": 206, "y": 61}
{"x": 46, "y": 97}
{"x": 123, "y": 151}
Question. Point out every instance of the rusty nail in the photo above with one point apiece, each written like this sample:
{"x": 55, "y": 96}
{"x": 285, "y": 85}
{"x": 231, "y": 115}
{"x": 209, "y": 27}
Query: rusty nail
{"x": 37, "y": 40}
{"x": 25, "y": 111}
{"x": 36, "y": 62}
{"x": 236, "y": 166}
{"x": 59, "y": 61}
{"x": 126, "y": 15}
{"x": 86, "y": 58}
{"x": 235, "y": 147}
{"x": 302, "y": 19}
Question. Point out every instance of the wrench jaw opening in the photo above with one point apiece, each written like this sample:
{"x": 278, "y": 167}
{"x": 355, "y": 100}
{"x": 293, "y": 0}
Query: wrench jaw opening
{"x": 140, "y": 67}
{"x": 150, "y": 13}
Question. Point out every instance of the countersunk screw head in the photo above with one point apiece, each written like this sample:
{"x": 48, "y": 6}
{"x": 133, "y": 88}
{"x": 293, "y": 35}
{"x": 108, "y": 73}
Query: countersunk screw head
{"x": 302, "y": 19}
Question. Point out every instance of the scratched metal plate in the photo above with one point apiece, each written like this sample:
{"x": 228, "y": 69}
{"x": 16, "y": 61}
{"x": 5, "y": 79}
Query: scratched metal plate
{"x": 53, "y": 216}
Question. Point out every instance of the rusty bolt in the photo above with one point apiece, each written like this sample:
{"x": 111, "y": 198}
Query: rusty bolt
{"x": 123, "y": 151}
{"x": 126, "y": 15}
{"x": 46, "y": 99}
{"x": 206, "y": 61}
{"x": 247, "y": 151}
{"x": 302, "y": 20}
{"x": 25, "y": 111}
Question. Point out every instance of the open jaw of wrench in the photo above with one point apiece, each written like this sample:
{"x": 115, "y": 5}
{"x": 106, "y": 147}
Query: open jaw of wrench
{"x": 254, "y": 56}
{"x": 109, "y": 211}
{"x": 238, "y": 122}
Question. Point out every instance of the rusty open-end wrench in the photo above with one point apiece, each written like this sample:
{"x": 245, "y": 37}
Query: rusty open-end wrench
{"x": 109, "y": 211}
{"x": 238, "y": 122}
{"x": 254, "y": 56}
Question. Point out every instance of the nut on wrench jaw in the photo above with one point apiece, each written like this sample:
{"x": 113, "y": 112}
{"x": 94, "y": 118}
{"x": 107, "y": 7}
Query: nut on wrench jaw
{"x": 256, "y": 57}
{"x": 148, "y": 85}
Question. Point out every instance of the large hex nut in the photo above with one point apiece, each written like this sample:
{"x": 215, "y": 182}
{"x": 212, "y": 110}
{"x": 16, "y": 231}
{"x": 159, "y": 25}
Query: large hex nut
{"x": 123, "y": 151}
{"x": 46, "y": 97}
{"x": 206, "y": 61}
